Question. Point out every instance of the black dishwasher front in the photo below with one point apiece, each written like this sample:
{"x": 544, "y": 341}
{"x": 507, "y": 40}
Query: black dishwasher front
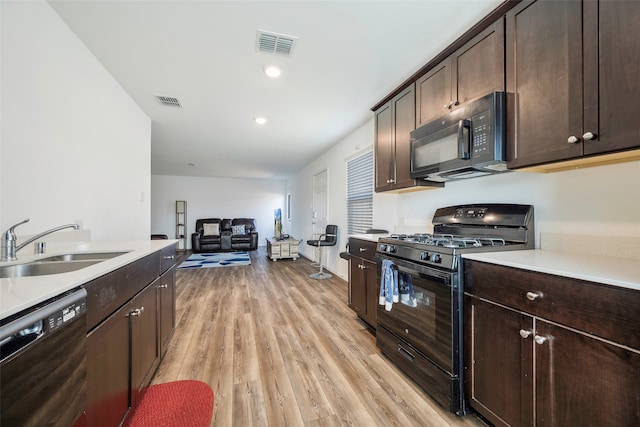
{"x": 43, "y": 364}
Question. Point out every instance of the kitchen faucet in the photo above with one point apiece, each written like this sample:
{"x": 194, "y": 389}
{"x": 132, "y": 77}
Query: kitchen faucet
{"x": 9, "y": 247}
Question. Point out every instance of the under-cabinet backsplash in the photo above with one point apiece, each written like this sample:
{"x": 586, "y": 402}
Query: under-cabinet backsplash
{"x": 612, "y": 246}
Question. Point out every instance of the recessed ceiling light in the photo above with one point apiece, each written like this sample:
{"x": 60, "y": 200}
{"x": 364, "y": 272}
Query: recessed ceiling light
{"x": 272, "y": 71}
{"x": 260, "y": 120}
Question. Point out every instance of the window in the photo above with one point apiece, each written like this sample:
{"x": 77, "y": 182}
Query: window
{"x": 360, "y": 194}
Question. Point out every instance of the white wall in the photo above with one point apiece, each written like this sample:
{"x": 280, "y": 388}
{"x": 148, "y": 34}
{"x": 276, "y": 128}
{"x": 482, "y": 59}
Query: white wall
{"x": 594, "y": 201}
{"x": 74, "y": 146}
{"x": 215, "y": 198}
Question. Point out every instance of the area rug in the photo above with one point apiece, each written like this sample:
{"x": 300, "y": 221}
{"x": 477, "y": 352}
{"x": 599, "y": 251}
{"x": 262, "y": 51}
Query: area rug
{"x": 175, "y": 404}
{"x": 224, "y": 259}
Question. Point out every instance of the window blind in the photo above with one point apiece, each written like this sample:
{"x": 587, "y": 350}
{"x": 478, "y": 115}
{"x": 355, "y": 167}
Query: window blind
{"x": 360, "y": 194}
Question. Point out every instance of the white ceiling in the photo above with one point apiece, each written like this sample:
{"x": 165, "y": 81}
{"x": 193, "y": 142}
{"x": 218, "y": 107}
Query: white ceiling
{"x": 348, "y": 56}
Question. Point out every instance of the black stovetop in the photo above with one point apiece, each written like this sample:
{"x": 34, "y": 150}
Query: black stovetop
{"x": 463, "y": 229}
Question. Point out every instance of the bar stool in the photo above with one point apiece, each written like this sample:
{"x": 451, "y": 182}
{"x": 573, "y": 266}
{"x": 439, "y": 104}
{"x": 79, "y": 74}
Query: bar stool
{"x": 329, "y": 238}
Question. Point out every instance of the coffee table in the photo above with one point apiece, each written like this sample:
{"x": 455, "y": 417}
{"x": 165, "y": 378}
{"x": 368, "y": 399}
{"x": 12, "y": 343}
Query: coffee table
{"x": 286, "y": 248}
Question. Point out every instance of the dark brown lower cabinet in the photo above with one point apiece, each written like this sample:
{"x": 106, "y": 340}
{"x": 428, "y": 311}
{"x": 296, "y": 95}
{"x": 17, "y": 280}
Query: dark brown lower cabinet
{"x": 125, "y": 349}
{"x": 124, "y": 355}
{"x": 166, "y": 309}
{"x": 364, "y": 290}
{"x": 108, "y": 370}
{"x": 145, "y": 356}
{"x": 525, "y": 369}
{"x": 584, "y": 381}
{"x": 363, "y": 280}
{"x": 498, "y": 363}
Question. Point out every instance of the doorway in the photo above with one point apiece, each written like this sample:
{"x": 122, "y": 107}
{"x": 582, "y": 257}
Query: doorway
{"x": 319, "y": 214}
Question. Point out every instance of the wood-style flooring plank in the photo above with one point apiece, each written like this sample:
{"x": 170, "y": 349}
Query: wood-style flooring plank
{"x": 281, "y": 349}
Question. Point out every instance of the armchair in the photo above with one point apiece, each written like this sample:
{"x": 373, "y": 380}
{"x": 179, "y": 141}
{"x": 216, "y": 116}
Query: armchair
{"x": 209, "y": 238}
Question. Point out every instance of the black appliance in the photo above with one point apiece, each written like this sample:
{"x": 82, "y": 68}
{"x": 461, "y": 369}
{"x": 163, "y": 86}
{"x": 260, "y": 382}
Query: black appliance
{"x": 43, "y": 364}
{"x": 465, "y": 143}
{"x": 423, "y": 336}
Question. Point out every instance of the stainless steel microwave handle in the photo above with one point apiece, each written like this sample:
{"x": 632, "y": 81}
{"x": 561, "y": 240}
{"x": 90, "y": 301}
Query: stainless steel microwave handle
{"x": 464, "y": 139}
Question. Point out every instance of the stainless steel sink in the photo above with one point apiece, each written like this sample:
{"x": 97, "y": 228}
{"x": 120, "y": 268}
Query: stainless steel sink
{"x": 44, "y": 268}
{"x": 56, "y": 264}
{"x": 101, "y": 256}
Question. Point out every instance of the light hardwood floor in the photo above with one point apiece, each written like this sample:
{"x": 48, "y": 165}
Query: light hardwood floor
{"x": 282, "y": 349}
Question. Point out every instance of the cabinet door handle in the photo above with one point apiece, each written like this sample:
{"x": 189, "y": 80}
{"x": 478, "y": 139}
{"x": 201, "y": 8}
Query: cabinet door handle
{"x": 539, "y": 339}
{"x": 573, "y": 139}
{"x": 589, "y": 136}
{"x": 531, "y": 296}
{"x": 169, "y": 257}
{"x": 137, "y": 312}
{"x": 524, "y": 333}
{"x": 163, "y": 286}
{"x": 363, "y": 249}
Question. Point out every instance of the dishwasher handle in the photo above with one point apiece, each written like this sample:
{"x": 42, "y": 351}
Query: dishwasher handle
{"x": 21, "y": 340}
{"x": 24, "y": 331}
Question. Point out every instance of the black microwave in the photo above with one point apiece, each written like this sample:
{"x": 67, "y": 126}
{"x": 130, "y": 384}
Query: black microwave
{"x": 465, "y": 143}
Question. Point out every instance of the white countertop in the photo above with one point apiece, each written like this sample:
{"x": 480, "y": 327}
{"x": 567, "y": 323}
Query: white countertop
{"x": 20, "y": 293}
{"x": 607, "y": 270}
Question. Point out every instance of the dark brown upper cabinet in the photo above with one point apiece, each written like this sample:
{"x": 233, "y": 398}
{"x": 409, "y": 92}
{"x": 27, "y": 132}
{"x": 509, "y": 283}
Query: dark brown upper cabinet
{"x": 394, "y": 122}
{"x": 472, "y": 71}
{"x": 572, "y": 72}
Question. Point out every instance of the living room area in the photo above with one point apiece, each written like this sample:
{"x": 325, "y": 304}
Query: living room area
{"x": 222, "y": 198}
{"x": 214, "y": 197}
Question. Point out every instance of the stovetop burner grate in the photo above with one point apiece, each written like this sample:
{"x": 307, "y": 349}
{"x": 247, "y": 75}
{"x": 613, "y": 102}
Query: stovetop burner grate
{"x": 463, "y": 229}
{"x": 450, "y": 240}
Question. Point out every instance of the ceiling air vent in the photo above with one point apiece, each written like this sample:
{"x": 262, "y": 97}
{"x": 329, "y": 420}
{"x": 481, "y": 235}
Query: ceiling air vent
{"x": 275, "y": 43}
{"x": 169, "y": 101}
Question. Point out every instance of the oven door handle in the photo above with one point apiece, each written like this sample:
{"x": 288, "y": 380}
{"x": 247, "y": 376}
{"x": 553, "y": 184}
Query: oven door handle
{"x": 406, "y": 354}
{"x": 411, "y": 268}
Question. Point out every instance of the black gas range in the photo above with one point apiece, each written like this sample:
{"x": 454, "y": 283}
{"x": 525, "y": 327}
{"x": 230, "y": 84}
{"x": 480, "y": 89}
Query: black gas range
{"x": 464, "y": 229}
{"x": 422, "y": 331}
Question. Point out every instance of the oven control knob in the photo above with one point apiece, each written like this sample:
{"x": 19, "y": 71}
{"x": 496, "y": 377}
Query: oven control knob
{"x": 436, "y": 258}
{"x": 383, "y": 247}
{"x": 424, "y": 256}
{"x": 391, "y": 249}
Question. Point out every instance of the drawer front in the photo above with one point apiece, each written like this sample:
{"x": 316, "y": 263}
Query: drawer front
{"x": 284, "y": 250}
{"x": 275, "y": 250}
{"x": 436, "y": 382}
{"x": 362, "y": 248}
{"x": 602, "y": 310}
{"x": 107, "y": 293}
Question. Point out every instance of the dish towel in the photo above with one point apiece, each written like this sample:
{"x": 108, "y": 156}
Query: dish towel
{"x": 405, "y": 286}
{"x": 388, "y": 285}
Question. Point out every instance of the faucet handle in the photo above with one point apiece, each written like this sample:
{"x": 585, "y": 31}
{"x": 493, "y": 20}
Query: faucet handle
{"x": 10, "y": 235}
{"x": 20, "y": 223}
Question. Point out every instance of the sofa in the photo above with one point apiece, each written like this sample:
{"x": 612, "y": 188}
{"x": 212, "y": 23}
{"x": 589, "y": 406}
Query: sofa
{"x": 218, "y": 235}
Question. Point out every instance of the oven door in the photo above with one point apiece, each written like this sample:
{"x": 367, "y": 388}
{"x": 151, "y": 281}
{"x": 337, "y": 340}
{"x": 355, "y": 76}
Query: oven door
{"x": 427, "y": 326}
